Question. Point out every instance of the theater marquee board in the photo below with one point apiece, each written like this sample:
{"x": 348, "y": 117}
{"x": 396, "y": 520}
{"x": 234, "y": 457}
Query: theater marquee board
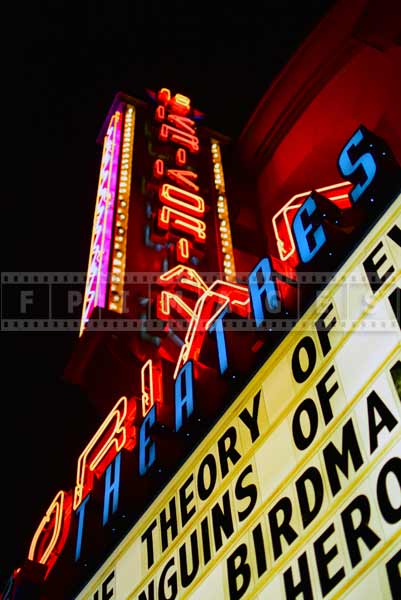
{"x": 295, "y": 493}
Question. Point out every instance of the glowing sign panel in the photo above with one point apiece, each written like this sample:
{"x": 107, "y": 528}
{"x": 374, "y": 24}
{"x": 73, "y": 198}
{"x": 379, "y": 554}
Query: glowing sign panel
{"x": 298, "y": 486}
{"x": 99, "y": 256}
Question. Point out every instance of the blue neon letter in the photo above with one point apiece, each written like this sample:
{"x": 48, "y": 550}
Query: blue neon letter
{"x": 262, "y": 290}
{"x": 111, "y": 488}
{"x": 81, "y": 518}
{"x": 217, "y": 326}
{"x": 309, "y": 240}
{"x": 365, "y": 163}
{"x": 147, "y": 449}
{"x": 184, "y": 396}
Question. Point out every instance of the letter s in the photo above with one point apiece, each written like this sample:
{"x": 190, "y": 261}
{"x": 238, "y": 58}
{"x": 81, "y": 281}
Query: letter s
{"x": 360, "y": 169}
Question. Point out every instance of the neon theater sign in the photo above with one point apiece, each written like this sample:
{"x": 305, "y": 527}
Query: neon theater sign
{"x": 307, "y": 230}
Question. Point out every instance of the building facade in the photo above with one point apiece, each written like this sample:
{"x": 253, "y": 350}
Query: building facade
{"x": 240, "y": 340}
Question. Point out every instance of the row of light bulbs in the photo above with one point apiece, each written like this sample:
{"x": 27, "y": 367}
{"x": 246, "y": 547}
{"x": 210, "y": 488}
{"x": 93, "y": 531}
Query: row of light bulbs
{"x": 222, "y": 214}
{"x": 120, "y": 239}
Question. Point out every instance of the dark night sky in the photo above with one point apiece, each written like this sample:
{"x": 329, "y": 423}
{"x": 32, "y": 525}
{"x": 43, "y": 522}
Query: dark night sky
{"x": 66, "y": 67}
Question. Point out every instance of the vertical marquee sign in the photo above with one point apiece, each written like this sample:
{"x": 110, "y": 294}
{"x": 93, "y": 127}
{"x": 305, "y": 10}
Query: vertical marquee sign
{"x": 99, "y": 255}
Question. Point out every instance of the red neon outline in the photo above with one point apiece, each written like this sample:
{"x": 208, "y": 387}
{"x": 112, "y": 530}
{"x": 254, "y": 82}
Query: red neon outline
{"x": 184, "y": 177}
{"x": 289, "y": 206}
{"x": 168, "y": 300}
{"x": 236, "y": 296}
{"x": 180, "y": 104}
{"x": 120, "y": 417}
{"x": 178, "y": 198}
{"x": 163, "y": 96}
{"x": 184, "y": 276}
{"x": 151, "y": 385}
{"x": 182, "y": 222}
{"x": 184, "y": 124}
{"x": 179, "y": 137}
{"x": 182, "y": 250}
{"x": 60, "y": 507}
{"x": 160, "y": 113}
{"x": 181, "y": 157}
{"x": 158, "y": 168}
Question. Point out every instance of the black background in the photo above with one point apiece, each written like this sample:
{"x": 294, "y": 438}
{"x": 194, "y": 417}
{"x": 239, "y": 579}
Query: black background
{"x": 66, "y": 64}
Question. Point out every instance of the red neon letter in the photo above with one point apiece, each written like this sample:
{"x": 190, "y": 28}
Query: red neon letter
{"x": 179, "y": 137}
{"x": 176, "y": 219}
{"x": 181, "y": 105}
{"x": 163, "y": 96}
{"x": 184, "y": 177}
{"x": 182, "y": 250}
{"x": 183, "y": 123}
{"x": 151, "y": 385}
{"x": 51, "y": 535}
{"x": 158, "y": 168}
{"x": 160, "y": 113}
{"x": 168, "y": 300}
{"x": 181, "y": 157}
{"x": 182, "y": 277}
{"x": 115, "y": 433}
{"x": 208, "y": 307}
{"x": 182, "y": 199}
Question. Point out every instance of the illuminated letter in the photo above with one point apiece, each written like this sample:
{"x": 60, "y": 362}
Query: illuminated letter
{"x": 309, "y": 240}
{"x": 160, "y": 113}
{"x": 181, "y": 199}
{"x": 116, "y": 432}
{"x": 51, "y": 535}
{"x": 147, "y": 450}
{"x": 169, "y": 300}
{"x": 353, "y": 167}
{"x": 180, "y": 104}
{"x": 182, "y": 250}
{"x": 338, "y": 193}
{"x": 151, "y": 385}
{"x": 221, "y": 341}
{"x": 183, "y": 393}
{"x": 179, "y": 137}
{"x": 261, "y": 286}
{"x": 184, "y": 177}
{"x": 111, "y": 488}
{"x": 183, "y": 123}
{"x": 158, "y": 168}
{"x": 207, "y": 308}
{"x": 81, "y": 518}
{"x": 181, "y": 157}
{"x": 163, "y": 96}
{"x": 179, "y": 220}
